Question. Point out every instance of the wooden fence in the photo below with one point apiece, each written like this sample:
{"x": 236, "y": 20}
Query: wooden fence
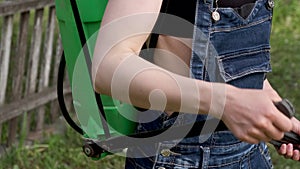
{"x": 30, "y": 50}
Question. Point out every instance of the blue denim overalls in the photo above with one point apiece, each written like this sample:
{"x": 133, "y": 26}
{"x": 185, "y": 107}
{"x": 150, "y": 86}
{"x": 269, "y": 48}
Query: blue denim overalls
{"x": 234, "y": 50}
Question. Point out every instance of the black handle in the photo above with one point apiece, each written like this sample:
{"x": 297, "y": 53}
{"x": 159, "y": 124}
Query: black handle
{"x": 287, "y": 108}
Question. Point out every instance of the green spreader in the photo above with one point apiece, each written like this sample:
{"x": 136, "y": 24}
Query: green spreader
{"x": 100, "y": 116}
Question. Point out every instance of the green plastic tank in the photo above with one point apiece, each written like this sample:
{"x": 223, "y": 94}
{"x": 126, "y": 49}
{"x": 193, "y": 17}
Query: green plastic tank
{"x": 120, "y": 116}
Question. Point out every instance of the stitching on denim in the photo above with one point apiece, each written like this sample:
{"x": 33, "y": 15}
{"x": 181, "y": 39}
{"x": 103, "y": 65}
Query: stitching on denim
{"x": 170, "y": 145}
{"x": 172, "y": 157}
{"x": 258, "y": 4}
{"x": 264, "y": 155}
{"x": 222, "y": 165}
{"x": 236, "y": 161}
{"x": 194, "y": 37}
{"x": 215, "y": 30}
{"x": 177, "y": 165}
{"x": 243, "y": 53}
{"x": 227, "y": 146}
{"x": 207, "y": 47}
{"x": 228, "y": 76}
{"x": 256, "y": 70}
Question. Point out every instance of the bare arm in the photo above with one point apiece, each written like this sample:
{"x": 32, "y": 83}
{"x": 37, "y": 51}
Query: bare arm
{"x": 117, "y": 68}
{"x": 119, "y": 71}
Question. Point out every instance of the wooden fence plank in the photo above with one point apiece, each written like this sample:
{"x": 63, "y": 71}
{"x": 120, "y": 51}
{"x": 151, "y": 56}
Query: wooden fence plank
{"x": 34, "y": 57}
{"x": 54, "y": 109}
{"x": 45, "y": 73}
{"x": 13, "y": 110}
{"x": 18, "y": 73}
{"x": 12, "y": 7}
{"x": 48, "y": 48}
{"x": 6, "y": 40}
{"x": 5, "y": 49}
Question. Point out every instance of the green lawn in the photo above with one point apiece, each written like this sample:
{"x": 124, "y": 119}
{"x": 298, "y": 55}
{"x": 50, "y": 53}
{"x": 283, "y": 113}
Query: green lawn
{"x": 285, "y": 77}
{"x": 64, "y": 152}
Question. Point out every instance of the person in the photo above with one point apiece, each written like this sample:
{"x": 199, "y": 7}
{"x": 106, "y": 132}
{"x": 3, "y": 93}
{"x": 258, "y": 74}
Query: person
{"x": 215, "y": 69}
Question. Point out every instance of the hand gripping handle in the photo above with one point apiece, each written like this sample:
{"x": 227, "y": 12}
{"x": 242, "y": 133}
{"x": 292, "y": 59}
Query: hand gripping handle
{"x": 286, "y": 107}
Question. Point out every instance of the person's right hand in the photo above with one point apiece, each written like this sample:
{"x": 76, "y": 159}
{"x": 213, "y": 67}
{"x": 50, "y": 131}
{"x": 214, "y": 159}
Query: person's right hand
{"x": 252, "y": 117}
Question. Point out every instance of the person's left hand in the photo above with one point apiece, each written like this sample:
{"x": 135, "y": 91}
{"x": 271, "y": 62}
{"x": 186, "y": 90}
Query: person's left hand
{"x": 289, "y": 150}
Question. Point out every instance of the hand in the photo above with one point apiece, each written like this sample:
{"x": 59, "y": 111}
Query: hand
{"x": 288, "y": 150}
{"x": 252, "y": 117}
{"x": 268, "y": 89}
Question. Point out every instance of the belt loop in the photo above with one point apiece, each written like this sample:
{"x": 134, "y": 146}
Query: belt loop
{"x": 205, "y": 157}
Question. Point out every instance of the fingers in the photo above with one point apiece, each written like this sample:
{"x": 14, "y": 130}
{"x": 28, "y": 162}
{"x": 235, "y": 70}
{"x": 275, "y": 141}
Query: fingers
{"x": 249, "y": 139}
{"x": 281, "y": 122}
{"x": 258, "y": 135}
{"x": 296, "y": 125}
{"x": 273, "y": 133}
{"x": 287, "y": 150}
{"x": 282, "y": 150}
{"x": 296, "y": 155}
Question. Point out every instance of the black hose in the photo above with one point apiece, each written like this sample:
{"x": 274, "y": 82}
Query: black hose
{"x": 87, "y": 56}
{"x": 60, "y": 95}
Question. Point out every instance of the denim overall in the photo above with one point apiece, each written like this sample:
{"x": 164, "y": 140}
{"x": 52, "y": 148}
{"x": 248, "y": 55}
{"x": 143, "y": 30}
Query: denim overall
{"x": 233, "y": 50}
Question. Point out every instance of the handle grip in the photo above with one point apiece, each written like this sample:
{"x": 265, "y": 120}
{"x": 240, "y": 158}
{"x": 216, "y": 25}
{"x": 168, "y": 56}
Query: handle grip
{"x": 287, "y": 108}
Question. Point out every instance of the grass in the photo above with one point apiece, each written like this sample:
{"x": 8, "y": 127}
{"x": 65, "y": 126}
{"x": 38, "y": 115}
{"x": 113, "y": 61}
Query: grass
{"x": 285, "y": 77}
{"x": 64, "y": 151}
{"x": 58, "y": 152}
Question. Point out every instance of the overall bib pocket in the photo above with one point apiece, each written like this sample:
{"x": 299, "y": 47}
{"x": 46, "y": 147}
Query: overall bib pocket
{"x": 244, "y": 63}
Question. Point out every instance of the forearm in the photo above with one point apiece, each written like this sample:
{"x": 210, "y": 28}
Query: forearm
{"x": 118, "y": 70}
{"x": 143, "y": 84}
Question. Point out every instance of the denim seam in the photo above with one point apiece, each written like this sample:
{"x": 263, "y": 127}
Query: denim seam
{"x": 251, "y": 13}
{"x": 169, "y": 145}
{"x": 266, "y": 160}
{"x": 172, "y": 156}
{"x": 225, "y": 164}
{"x": 235, "y": 161}
{"x": 177, "y": 165}
{"x": 207, "y": 49}
{"x": 231, "y": 145}
{"x": 241, "y": 53}
{"x": 157, "y": 154}
{"x": 206, "y": 157}
{"x": 246, "y": 72}
{"x": 257, "y": 70}
{"x": 193, "y": 42}
{"x": 215, "y": 30}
